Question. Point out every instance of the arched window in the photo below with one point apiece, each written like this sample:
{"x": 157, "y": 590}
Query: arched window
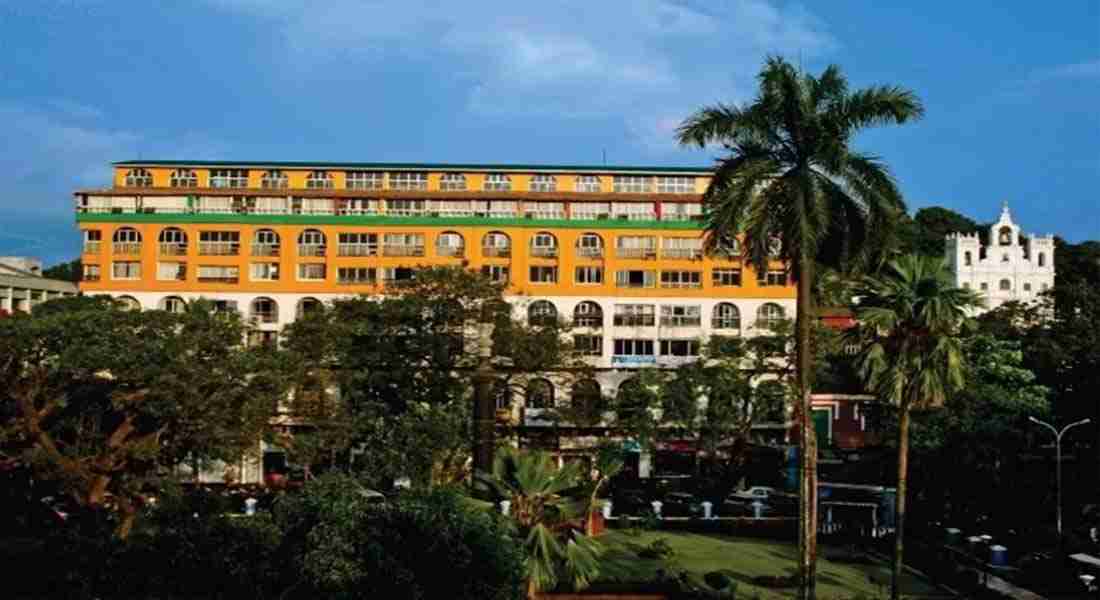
{"x": 542, "y": 312}
{"x": 183, "y": 178}
{"x": 630, "y": 398}
{"x": 265, "y": 310}
{"x": 585, "y": 398}
{"x": 265, "y": 242}
{"x": 173, "y": 304}
{"x": 540, "y": 394}
{"x": 274, "y": 180}
{"x": 544, "y": 244}
{"x": 590, "y": 245}
{"x": 726, "y": 316}
{"x": 138, "y": 178}
{"x": 127, "y": 240}
{"x": 307, "y": 305}
{"x": 496, "y": 243}
{"x": 173, "y": 241}
{"x": 319, "y": 180}
{"x": 502, "y": 395}
{"x": 769, "y": 315}
{"x": 1005, "y": 285}
{"x": 588, "y": 314}
{"x": 1042, "y": 259}
{"x": 968, "y": 258}
{"x": 450, "y": 243}
{"x": 1005, "y": 236}
{"x": 452, "y": 182}
{"x": 129, "y": 302}
{"x": 311, "y": 242}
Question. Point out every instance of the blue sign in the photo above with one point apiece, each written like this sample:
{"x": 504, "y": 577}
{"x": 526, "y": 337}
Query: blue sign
{"x": 627, "y": 361}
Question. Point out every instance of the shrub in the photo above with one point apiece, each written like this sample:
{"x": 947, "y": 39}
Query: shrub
{"x": 422, "y": 546}
{"x": 658, "y": 549}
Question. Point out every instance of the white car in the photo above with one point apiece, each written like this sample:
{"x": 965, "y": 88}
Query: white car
{"x": 756, "y": 492}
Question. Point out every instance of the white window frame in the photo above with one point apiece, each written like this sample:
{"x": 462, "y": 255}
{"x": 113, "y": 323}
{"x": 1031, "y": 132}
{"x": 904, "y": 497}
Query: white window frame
{"x": 309, "y": 271}
{"x": 542, "y": 270}
{"x": 543, "y": 182}
{"x": 129, "y": 269}
{"x": 263, "y": 271}
{"x": 171, "y": 271}
{"x": 364, "y": 180}
{"x": 588, "y": 275}
{"x": 587, "y": 184}
{"x": 632, "y": 184}
{"x": 183, "y": 178}
{"x": 497, "y": 182}
{"x": 675, "y": 184}
{"x": 452, "y": 182}
{"x": 274, "y": 179}
{"x": 411, "y": 181}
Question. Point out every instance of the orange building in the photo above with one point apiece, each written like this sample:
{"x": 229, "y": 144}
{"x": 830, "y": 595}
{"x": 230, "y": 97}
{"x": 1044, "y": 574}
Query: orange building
{"x": 617, "y": 251}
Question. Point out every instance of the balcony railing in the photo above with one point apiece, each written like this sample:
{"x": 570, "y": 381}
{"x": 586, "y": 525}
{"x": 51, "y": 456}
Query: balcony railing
{"x": 265, "y": 249}
{"x": 173, "y": 249}
{"x": 454, "y": 251}
{"x": 357, "y": 249}
{"x": 590, "y": 252}
{"x": 219, "y": 248}
{"x": 496, "y": 251}
{"x": 682, "y": 253}
{"x": 544, "y": 251}
{"x": 394, "y": 250}
{"x": 725, "y": 323}
{"x": 634, "y": 320}
{"x": 91, "y": 247}
{"x": 680, "y": 321}
{"x": 311, "y": 249}
{"x": 681, "y": 284}
{"x": 639, "y": 253}
{"x": 592, "y": 322}
{"x": 266, "y": 316}
{"x": 219, "y": 279}
{"x": 127, "y": 248}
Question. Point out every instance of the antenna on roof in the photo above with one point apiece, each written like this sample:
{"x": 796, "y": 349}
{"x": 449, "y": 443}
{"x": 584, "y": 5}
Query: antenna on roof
{"x": 605, "y": 157}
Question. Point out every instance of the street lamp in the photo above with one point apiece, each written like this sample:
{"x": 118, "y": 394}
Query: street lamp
{"x": 1058, "y": 451}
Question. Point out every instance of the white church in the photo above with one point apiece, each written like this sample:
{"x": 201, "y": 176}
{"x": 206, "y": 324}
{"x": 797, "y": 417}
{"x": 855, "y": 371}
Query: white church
{"x": 1006, "y": 269}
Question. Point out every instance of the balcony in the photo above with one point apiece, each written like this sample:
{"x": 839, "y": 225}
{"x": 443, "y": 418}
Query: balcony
{"x": 452, "y": 251}
{"x": 680, "y": 321}
{"x": 590, "y": 322}
{"x": 265, "y": 316}
{"x": 311, "y": 249}
{"x": 496, "y": 252}
{"x": 681, "y": 284}
{"x": 357, "y": 250}
{"x": 265, "y": 249}
{"x": 682, "y": 253}
{"x": 127, "y": 248}
{"x": 219, "y": 248}
{"x": 634, "y": 321}
{"x": 402, "y": 250}
{"x": 173, "y": 249}
{"x": 590, "y": 252}
{"x": 219, "y": 279}
{"x": 544, "y": 252}
{"x": 91, "y": 247}
{"x": 636, "y": 253}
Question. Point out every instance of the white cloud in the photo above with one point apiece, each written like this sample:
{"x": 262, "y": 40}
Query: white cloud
{"x": 643, "y": 62}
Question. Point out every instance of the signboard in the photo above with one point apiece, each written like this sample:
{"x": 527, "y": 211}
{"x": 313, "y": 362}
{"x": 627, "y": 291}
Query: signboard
{"x": 632, "y": 361}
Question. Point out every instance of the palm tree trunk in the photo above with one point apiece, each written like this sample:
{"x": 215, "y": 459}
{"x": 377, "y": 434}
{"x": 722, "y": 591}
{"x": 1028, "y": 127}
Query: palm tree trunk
{"x": 807, "y": 522}
{"x": 899, "y": 512}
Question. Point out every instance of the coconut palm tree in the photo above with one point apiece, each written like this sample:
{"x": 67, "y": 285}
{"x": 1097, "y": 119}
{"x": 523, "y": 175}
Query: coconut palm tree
{"x": 910, "y": 319}
{"x": 797, "y": 191}
{"x": 549, "y": 522}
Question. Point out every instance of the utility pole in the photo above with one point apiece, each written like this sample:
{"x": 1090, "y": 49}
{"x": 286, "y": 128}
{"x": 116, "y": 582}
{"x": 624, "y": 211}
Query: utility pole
{"x": 1058, "y": 459}
{"x": 484, "y": 445}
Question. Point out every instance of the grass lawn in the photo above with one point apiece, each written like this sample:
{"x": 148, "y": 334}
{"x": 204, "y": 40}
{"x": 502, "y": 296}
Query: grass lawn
{"x": 741, "y": 559}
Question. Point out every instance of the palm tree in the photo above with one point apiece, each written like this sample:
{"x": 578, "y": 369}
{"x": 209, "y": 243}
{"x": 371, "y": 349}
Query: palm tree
{"x": 548, "y": 522}
{"x": 790, "y": 175}
{"x": 910, "y": 318}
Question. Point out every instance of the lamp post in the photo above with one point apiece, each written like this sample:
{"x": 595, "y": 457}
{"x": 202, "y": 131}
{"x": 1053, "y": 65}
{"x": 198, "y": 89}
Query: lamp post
{"x": 1058, "y": 457}
{"x": 484, "y": 404}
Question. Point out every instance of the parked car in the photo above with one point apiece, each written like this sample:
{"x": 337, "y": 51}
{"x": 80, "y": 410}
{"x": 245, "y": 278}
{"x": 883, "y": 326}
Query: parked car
{"x": 630, "y": 503}
{"x": 756, "y": 492}
{"x": 681, "y": 504}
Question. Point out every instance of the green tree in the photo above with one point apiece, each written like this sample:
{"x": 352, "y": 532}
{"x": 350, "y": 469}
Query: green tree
{"x": 100, "y": 399}
{"x": 66, "y": 271}
{"x": 392, "y": 377}
{"x": 792, "y": 176}
{"x": 546, "y": 518}
{"x": 910, "y": 321}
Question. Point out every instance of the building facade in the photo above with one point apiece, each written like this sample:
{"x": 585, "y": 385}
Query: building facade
{"x": 22, "y": 285}
{"x": 616, "y": 251}
{"x": 1011, "y": 267}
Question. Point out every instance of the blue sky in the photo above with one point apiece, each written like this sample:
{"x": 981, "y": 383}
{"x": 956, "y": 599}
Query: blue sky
{"x": 1012, "y": 90}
